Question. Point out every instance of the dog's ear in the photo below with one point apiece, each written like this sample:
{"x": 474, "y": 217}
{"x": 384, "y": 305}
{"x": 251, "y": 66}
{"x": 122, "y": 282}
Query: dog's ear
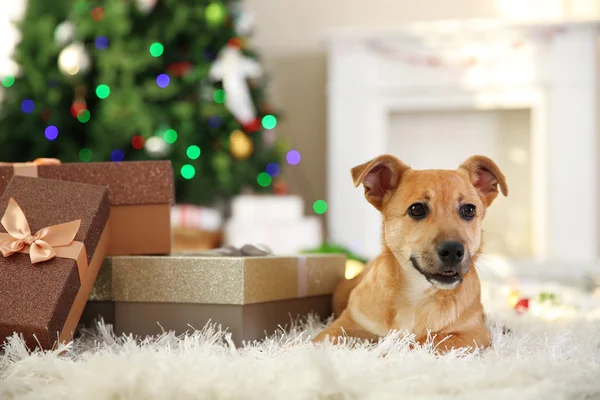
{"x": 485, "y": 176}
{"x": 379, "y": 177}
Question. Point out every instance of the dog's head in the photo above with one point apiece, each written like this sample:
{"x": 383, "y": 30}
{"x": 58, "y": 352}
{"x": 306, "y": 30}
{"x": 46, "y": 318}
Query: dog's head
{"x": 432, "y": 218}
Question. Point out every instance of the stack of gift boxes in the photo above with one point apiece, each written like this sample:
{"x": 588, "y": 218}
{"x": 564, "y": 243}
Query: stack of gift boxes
{"x": 83, "y": 241}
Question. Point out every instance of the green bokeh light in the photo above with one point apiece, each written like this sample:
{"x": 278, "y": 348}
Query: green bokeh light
{"x": 320, "y": 206}
{"x": 102, "y": 91}
{"x": 219, "y": 96}
{"x": 83, "y": 116}
{"x": 193, "y": 152}
{"x": 85, "y": 154}
{"x": 8, "y": 81}
{"x": 188, "y": 171}
{"x": 156, "y": 49}
{"x": 269, "y": 122}
{"x": 264, "y": 179}
{"x": 215, "y": 13}
{"x": 170, "y": 136}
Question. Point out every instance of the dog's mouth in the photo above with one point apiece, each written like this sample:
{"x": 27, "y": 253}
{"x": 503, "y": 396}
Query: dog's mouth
{"x": 442, "y": 280}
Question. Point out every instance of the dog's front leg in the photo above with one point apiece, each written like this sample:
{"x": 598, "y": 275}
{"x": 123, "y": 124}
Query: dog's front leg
{"x": 475, "y": 338}
{"x": 344, "y": 326}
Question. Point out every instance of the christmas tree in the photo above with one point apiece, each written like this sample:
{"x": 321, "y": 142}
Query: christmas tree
{"x": 114, "y": 80}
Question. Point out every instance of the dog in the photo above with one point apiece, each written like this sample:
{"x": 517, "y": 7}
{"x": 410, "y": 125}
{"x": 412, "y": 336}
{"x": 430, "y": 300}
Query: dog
{"x": 424, "y": 280}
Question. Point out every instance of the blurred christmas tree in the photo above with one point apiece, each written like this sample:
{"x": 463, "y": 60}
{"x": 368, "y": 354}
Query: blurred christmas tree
{"x": 143, "y": 79}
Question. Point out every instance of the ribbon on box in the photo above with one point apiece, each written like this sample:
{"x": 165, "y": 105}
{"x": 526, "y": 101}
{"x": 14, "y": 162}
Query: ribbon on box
{"x": 30, "y": 168}
{"x": 46, "y": 244}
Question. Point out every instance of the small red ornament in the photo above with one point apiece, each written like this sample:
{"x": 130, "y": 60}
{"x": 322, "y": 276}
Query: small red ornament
{"x": 252, "y": 126}
{"x": 138, "y": 142}
{"x": 179, "y": 69}
{"x": 280, "y": 187}
{"x": 522, "y": 306}
{"x": 236, "y": 43}
{"x": 77, "y": 106}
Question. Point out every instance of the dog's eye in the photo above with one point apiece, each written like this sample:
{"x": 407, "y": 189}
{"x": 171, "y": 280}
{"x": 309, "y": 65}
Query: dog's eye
{"x": 417, "y": 210}
{"x": 467, "y": 211}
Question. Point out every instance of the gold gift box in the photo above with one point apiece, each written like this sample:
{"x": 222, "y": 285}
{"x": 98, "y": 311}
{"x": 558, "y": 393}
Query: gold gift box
{"x": 249, "y": 295}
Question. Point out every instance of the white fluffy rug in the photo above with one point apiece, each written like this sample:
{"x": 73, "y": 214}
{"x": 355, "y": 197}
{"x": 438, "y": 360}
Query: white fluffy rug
{"x": 539, "y": 359}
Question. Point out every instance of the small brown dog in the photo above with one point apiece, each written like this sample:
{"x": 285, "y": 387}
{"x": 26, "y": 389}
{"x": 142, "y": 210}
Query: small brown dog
{"x": 425, "y": 278}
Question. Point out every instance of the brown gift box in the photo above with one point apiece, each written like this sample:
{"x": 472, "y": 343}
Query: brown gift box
{"x": 250, "y": 296}
{"x": 140, "y": 195}
{"x": 44, "y": 301}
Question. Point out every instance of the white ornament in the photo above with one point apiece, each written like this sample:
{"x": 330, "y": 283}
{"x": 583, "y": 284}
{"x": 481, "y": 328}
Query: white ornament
{"x": 74, "y": 59}
{"x": 233, "y": 69}
{"x": 64, "y": 33}
{"x": 156, "y": 147}
{"x": 244, "y": 20}
{"x": 146, "y": 6}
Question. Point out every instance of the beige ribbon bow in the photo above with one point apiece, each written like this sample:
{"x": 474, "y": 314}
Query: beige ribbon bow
{"x": 42, "y": 244}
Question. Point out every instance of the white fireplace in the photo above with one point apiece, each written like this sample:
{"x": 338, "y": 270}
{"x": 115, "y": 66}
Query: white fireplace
{"x": 525, "y": 95}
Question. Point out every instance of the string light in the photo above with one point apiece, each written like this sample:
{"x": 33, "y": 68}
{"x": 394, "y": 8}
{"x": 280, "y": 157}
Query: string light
{"x": 83, "y": 116}
{"x": 241, "y": 146}
{"x": 293, "y": 157}
{"x": 320, "y": 206}
{"x": 8, "y": 81}
{"x": 269, "y": 121}
{"x": 101, "y": 42}
{"x": 138, "y": 142}
{"x": 170, "y": 136}
{"x": 117, "y": 155}
{"x": 102, "y": 91}
{"x": 98, "y": 14}
{"x": 188, "y": 171}
{"x": 51, "y": 132}
{"x": 163, "y": 80}
{"x": 27, "y": 106}
{"x": 214, "y": 121}
{"x": 77, "y": 106}
{"x": 273, "y": 169}
{"x": 215, "y": 13}
{"x": 156, "y": 49}
{"x": 219, "y": 96}
{"x": 85, "y": 155}
{"x": 193, "y": 152}
{"x": 264, "y": 179}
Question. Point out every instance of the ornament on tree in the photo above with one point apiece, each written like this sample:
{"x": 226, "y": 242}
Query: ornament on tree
{"x": 240, "y": 145}
{"x": 145, "y": 6}
{"x": 64, "y": 33}
{"x": 522, "y": 306}
{"x": 233, "y": 69}
{"x": 74, "y": 59}
{"x": 156, "y": 147}
{"x": 179, "y": 69}
{"x": 252, "y": 126}
{"x": 280, "y": 187}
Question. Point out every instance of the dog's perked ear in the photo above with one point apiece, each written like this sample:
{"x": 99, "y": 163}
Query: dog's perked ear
{"x": 485, "y": 176}
{"x": 380, "y": 177}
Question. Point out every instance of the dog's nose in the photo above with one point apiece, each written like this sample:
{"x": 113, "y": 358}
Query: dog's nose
{"x": 451, "y": 252}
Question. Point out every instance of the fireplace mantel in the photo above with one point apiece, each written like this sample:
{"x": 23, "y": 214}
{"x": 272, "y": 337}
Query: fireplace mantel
{"x": 550, "y": 69}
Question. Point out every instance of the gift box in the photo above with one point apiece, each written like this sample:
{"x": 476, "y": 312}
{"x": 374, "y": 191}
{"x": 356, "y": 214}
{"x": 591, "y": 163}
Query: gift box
{"x": 140, "y": 195}
{"x": 250, "y": 295}
{"x": 53, "y": 239}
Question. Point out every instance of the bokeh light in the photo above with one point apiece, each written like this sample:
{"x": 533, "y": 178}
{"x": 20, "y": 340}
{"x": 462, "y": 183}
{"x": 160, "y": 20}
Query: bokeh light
{"x": 293, "y": 157}
{"x": 170, "y": 136}
{"x": 264, "y": 179}
{"x": 85, "y": 155}
{"x": 269, "y": 121}
{"x": 101, "y": 42}
{"x": 193, "y": 152}
{"x": 219, "y": 96}
{"x": 83, "y": 116}
{"x": 320, "y": 206}
{"x": 273, "y": 169}
{"x": 188, "y": 171}
{"x": 240, "y": 145}
{"x": 163, "y": 80}
{"x": 77, "y": 106}
{"x": 156, "y": 49}
{"x": 51, "y": 132}
{"x": 102, "y": 91}
{"x": 45, "y": 115}
{"x": 138, "y": 142}
{"x": 8, "y": 81}
{"x": 214, "y": 121}
{"x": 117, "y": 155}
{"x": 98, "y": 14}
{"x": 27, "y": 106}
{"x": 215, "y": 13}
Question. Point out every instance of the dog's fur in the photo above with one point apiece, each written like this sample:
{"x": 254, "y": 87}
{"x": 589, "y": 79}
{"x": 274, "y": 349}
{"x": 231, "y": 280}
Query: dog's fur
{"x": 402, "y": 288}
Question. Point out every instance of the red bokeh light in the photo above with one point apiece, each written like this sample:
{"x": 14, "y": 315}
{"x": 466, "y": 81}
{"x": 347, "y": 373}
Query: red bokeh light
{"x": 77, "y": 106}
{"x": 138, "y": 142}
{"x": 98, "y": 14}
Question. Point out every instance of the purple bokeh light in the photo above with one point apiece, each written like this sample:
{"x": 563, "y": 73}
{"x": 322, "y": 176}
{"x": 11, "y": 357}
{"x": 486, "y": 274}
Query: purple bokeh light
{"x": 27, "y": 106}
{"x": 51, "y": 132}
{"x": 163, "y": 80}
{"x": 101, "y": 42}
{"x": 273, "y": 169}
{"x": 214, "y": 121}
{"x": 117, "y": 155}
{"x": 293, "y": 157}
